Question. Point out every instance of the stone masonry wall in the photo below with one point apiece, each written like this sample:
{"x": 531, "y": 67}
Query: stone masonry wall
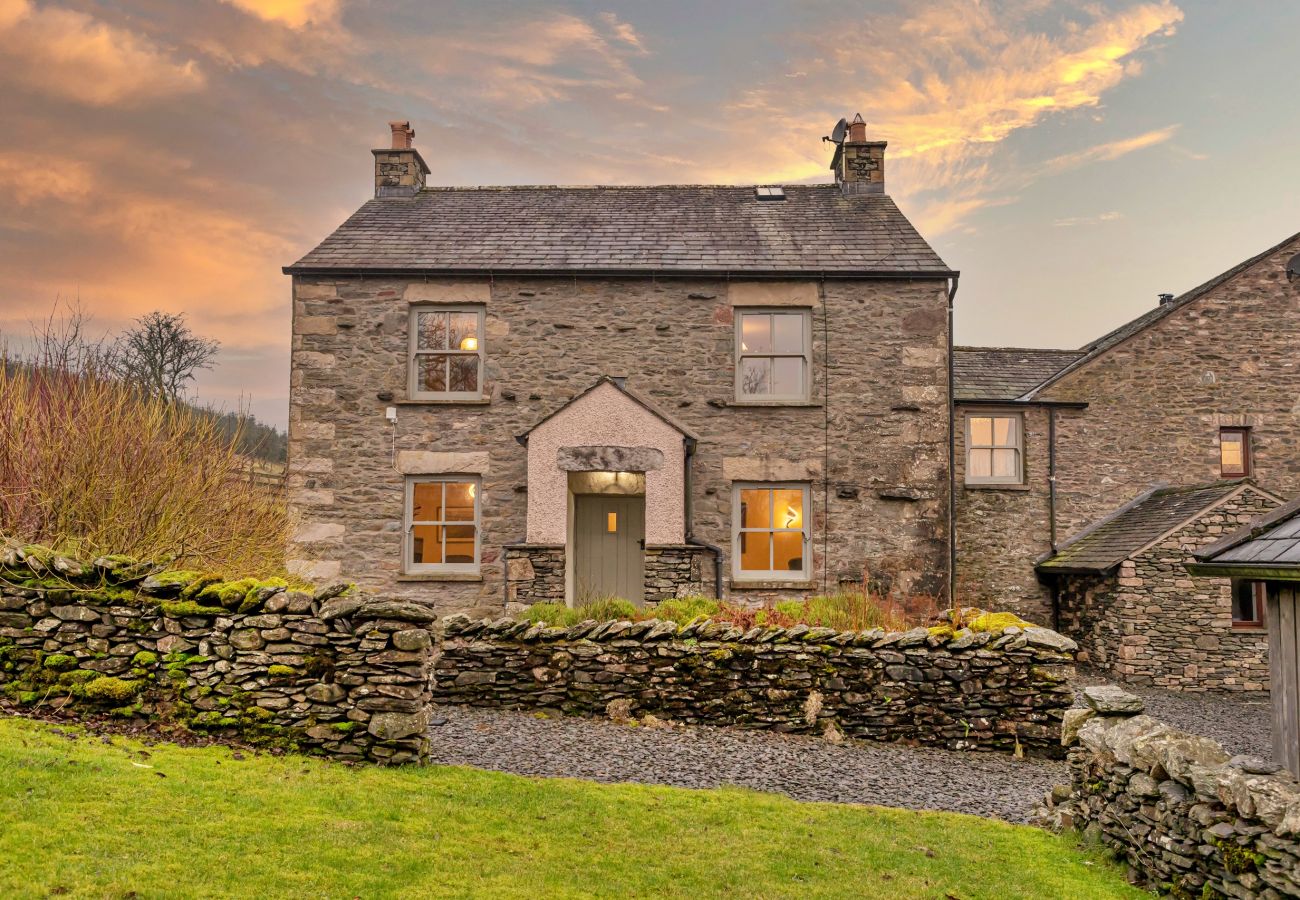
{"x": 681, "y": 570}
{"x": 534, "y": 573}
{"x": 979, "y": 691}
{"x": 345, "y": 676}
{"x": 878, "y": 417}
{"x": 1188, "y": 819}
{"x": 1003, "y": 529}
{"x": 1153, "y": 623}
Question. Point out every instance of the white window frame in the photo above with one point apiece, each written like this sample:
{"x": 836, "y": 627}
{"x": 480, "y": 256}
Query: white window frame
{"x": 409, "y": 565}
{"x": 805, "y": 490}
{"x": 413, "y": 353}
{"x": 1018, "y": 446}
{"x": 805, "y": 316}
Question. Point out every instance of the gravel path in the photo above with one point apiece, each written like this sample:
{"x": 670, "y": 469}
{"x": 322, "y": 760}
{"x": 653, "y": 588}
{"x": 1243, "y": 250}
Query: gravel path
{"x": 805, "y": 768}
{"x": 1242, "y": 722}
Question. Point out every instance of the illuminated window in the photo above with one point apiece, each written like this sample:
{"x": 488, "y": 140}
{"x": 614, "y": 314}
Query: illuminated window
{"x": 994, "y": 449}
{"x": 446, "y": 353}
{"x": 770, "y": 536}
{"x": 442, "y": 523}
{"x": 1234, "y": 452}
{"x": 773, "y": 353}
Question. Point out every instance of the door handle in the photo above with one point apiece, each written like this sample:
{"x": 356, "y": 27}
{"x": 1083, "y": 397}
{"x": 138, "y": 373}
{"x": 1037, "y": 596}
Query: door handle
{"x": 641, "y": 543}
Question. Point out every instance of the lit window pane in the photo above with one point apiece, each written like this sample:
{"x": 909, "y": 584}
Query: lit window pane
{"x": 788, "y": 330}
{"x": 981, "y": 431}
{"x": 431, "y": 372}
{"x": 426, "y": 502}
{"x": 756, "y": 333}
{"x": 464, "y": 373}
{"x": 463, "y": 333}
{"x": 460, "y": 543}
{"x": 787, "y": 376}
{"x": 431, "y": 331}
{"x": 756, "y": 376}
{"x": 788, "y": 505}
{"x": 755, "y": 551}
{"x": 426, "y": 541}
{"x": 460, "y": 501}
{"x": 1004, "y": 463}
{"x": 1232, "y": 453}
{"x": 1004, "y": 431}
{"x": 754, "y": 509}
{"x": 787, "y": 550}
{"x": 981, "y": 464}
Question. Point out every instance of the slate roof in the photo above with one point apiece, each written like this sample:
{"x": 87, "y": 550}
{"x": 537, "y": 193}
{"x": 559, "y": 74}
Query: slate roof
{"x": 1004, "y": 373}
{"x": 627, "y": 230}
{"x": 1272, "y": 541}
{"x": 1107, "y": 543}
{"x": 1096, "y": 348}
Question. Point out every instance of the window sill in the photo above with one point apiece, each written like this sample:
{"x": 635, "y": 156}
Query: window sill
{"x": 482, "y": 401}
{"x": 1249, "y": 628}
{"x": 745, "y": 585}
{"x": 997, "y": 487}
{"x": 811, "y": 404}
{"x": 441, "y": 576}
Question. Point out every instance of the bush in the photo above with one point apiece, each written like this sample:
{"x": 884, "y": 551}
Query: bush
{"x": 685, "y": 609}
{"x": 607, "y": 609}
{"x": 91, "y": 466}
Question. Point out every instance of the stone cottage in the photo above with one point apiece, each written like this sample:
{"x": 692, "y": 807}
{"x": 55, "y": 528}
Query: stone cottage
{"x": 1204, "y": 387}
{"x": 503, "y": 395}
{"x": 1125, "y": 594}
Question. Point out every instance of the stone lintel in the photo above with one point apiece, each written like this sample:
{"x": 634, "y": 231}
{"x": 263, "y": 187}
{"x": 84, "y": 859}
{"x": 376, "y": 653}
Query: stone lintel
{"x": 772, "y": 293}
{"x": 770, "y": 468}
{"x": 432, "y": 462}
{"x": 609, "y": 459}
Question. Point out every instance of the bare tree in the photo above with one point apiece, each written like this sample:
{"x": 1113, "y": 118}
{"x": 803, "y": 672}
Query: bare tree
{"x": 161, "y": 354}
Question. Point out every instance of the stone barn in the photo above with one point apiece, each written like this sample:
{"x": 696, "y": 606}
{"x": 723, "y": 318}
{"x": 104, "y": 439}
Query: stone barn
{"x": 1121, "y": 588}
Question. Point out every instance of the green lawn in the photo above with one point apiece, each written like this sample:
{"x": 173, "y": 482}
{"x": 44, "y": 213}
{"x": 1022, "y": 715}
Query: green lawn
{"x": 84, "y": 816}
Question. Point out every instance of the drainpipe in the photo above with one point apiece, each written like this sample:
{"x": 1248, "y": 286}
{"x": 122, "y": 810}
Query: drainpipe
{"x": 1051, "y": 511}
{"x": 952, "y": 461}
{"x": 690, "y": 522}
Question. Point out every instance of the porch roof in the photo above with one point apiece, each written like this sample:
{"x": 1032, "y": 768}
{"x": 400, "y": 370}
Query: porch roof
{"x": 1268, "y": 548}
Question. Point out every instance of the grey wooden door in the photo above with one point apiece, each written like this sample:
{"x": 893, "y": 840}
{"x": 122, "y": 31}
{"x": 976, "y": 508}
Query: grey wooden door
{"x": 608, "y": 548}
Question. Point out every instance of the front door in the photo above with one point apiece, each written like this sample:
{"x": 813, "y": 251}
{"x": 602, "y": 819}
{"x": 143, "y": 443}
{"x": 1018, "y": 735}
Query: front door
{"x": 608, "y": 547}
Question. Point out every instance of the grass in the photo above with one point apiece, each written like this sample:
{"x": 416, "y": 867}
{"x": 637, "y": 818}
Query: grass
{"x": 844, "y": 611}
{"x": 92, "y": 818}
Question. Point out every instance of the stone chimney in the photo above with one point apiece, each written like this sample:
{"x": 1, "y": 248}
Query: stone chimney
{"x": 399, "y": 170}
{"x": 859, "y": 164}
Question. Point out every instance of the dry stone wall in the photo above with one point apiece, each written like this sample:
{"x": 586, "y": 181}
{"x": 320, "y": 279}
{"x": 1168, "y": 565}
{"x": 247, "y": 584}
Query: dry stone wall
{"x": 971, "y": 691}
{"x": 336, "y": 673}
{"x": 1188, "y": 818}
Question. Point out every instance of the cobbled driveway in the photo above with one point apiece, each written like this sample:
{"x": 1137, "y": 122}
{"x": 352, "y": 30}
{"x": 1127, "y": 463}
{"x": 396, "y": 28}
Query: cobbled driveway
{"x": 994, "y": 785}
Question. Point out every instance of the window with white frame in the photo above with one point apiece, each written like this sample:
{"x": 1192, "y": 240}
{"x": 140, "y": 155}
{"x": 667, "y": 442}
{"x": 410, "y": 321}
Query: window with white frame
{"x": 446, "y": 353}
{"x": 770, "y": 536}
{"x": 994, "y": 449}
{"x": 442, "y": 524}
{"x": 773, "y": 355}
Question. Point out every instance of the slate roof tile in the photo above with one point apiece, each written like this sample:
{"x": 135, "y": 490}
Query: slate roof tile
{"x": 1004, "y": 373}
{"x": 667, "y": 228}
{"x": 1113, "y": 539}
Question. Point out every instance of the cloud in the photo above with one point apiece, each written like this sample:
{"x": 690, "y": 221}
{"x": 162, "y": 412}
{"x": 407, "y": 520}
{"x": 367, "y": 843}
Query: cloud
{"x": 947, "y": 84}
{"x": 76, "y": 57}
{"x": 1107, "y": 151}
{"x": 1099, "y": 219}
{"x": 293, "y": 13}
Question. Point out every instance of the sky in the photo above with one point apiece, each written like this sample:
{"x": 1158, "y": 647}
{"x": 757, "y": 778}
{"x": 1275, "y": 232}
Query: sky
{"x": 1072, "y": 159}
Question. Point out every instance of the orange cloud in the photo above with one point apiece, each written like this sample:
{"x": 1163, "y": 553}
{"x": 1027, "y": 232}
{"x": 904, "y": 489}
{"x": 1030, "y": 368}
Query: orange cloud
{"x": 293, "y": 13}
{"x": 77, "y": 57}
{"x": 1108, "y": 151}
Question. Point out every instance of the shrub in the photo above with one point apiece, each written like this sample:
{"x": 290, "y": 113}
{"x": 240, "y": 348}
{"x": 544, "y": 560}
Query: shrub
{"x": 91, "y": 466}
{"x": 685, "y": 609}
{"x": 550, "y": 613}
{"x": 606, "y": 609}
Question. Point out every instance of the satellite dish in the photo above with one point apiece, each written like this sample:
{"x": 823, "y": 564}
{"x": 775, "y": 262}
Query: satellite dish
{"x": 841, "y": 128}
{"x": 1293, "y": 268}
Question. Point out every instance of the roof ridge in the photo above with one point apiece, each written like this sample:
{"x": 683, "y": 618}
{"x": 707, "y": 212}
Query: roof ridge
{"x": 429, "y": 188}
{"x": 1016, "y": 349}
{"x": 1230, "y": 483}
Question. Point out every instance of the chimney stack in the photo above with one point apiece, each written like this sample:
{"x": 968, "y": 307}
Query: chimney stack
{"x": 1166, "y": 299}
{"x": 859, "y": 164}
{"x": 400, "y": 170}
